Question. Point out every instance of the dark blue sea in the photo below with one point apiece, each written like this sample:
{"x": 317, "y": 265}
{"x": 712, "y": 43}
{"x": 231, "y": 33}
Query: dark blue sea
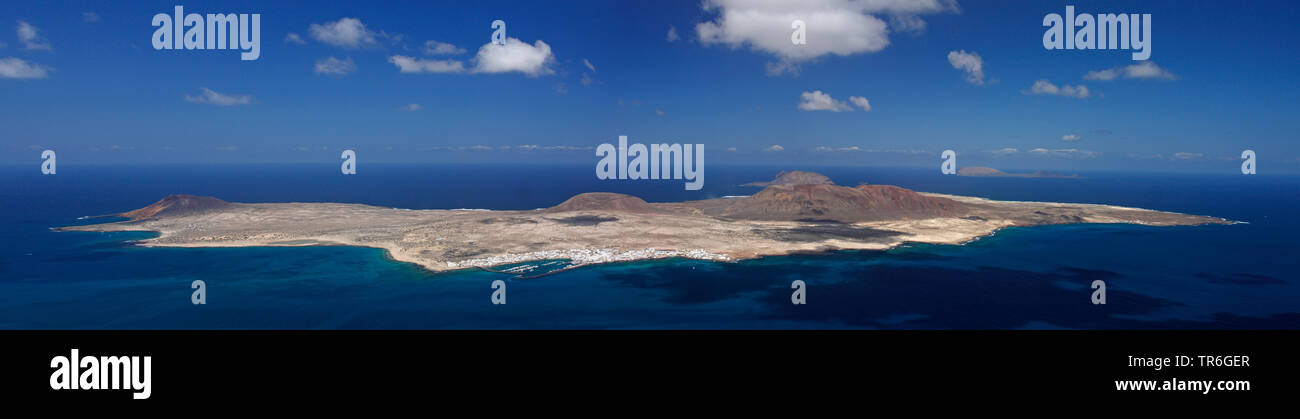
{"x": 1241, "y": 276}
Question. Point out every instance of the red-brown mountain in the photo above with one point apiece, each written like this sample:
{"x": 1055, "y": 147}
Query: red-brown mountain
{"x": 831, "y": 203}
{"x": 799, "y": 202}
{"x": 604, "y": 201}
{"x": 795, "y": 177}
{"x": 176, "y": 205}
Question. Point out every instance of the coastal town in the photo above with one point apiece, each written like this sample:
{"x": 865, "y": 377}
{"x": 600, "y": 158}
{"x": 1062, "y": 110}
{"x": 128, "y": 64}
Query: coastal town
{"x": 579, "y": 257}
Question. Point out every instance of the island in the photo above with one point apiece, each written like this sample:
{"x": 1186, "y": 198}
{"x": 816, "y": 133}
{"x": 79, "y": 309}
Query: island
{"x": 602, "y": 227}
{"x": 980, "y": 171}
{"x": 795, "y": 177}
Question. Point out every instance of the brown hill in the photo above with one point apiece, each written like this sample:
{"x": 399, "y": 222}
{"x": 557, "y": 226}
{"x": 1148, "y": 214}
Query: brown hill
{"x": 603, "y": 201}
{"x": 831, "y": 203}
{"x": 795, "y": 177}
{"x": 176, "y": 205}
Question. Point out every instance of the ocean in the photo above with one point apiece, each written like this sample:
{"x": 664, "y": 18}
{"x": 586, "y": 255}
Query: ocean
{"x": 1240, "y": 276}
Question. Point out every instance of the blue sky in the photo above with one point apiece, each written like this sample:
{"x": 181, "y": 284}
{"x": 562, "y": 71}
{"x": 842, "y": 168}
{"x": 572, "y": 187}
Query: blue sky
{"x": 83, "y": 79}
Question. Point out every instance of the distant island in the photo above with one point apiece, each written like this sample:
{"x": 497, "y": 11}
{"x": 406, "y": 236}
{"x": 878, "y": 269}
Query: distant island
{"x": 594, "y": 228}
{"x": 795, "y": 177}
{"x": 980, "y": 171}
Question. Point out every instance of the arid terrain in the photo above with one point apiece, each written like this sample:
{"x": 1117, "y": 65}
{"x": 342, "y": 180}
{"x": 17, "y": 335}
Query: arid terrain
{"x": 606, "y": 227}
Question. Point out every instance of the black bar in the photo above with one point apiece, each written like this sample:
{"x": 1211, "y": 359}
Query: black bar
{"x": 299, "y": 366}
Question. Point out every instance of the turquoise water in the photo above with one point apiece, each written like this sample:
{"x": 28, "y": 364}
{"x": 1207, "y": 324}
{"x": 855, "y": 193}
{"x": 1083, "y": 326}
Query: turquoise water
{"x": 1234, "y": 276}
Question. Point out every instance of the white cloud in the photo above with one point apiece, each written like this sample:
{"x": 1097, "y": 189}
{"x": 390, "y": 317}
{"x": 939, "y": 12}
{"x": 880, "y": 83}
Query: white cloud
{"x": 1005, "y": 151}
{"x": 441, "y": 48}
{"x": 856, "y": 149}
{"x": 89, "y": 17}
{"x": 294, "y": 38}
{"x": 826, "y": 149}
{"x": 1070, "y": 137}
{"x": 1102, "y": 75}
{"x": 838, "y": 27}
{"x": 419, "y": 65}
{"x": 411, "y": 107}
{"x": 525, "y": 147}
{"x": 906, "y": 23}
{"x": 587, "y": 79}
{"x": 1147, "y": 70}
{"x": 532, "y": 60}
{"x": 1144, "y": 70}
{"x": 1063, "y": 152}
{"x": 561, "y": 89}
{"x": 1044, "y": 87}
{"x": 1188, "y": 156}
{"x": 776, "y": 68}
{"x": 672, "y": 34}
{"x": 31, "y": 37}
{"x": 818, "y": 101}
{"x": 861, "y": 102}
{"x": 900, "y": 151}
{"x": 347, "y": 32}
{"x": 15, "y": 68}
{"x": 335, "y": 67}
{"x": 659, "y": 112}
{"x": 213, "y": 98}
{"x": 515, "y": 56}
{"x": 970, "y": 63}
{"x": 775, "y": 147}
